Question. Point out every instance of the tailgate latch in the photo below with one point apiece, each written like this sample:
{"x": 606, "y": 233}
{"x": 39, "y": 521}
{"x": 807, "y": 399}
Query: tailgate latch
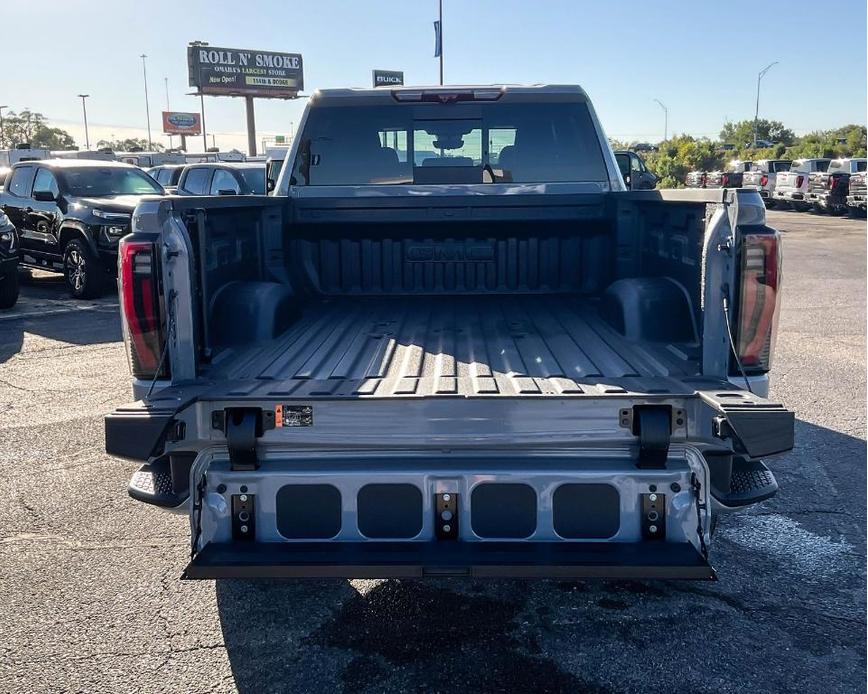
{"x": 242, "y": 426}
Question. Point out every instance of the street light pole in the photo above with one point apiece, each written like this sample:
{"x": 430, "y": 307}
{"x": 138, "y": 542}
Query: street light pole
{"x": 756, "y": 113}
{"x": 84, "y": 111}
{"x": 168, "y": 107}
{"x": 147, "y": 106}
{"x": 665, "y": 119}
{"x": 441, "y": 41}
{"x": 2, "y": 134}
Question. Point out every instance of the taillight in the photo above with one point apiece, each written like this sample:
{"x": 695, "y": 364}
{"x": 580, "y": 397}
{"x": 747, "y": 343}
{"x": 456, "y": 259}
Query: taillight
{"x": 144, "y": 331}
{"x": 831, "y": 182}
{"x": 724, "y": 180}
{"x": 764, "y": 180}
{"x": 799, "y": 181}
{"x": 759, "y": 300}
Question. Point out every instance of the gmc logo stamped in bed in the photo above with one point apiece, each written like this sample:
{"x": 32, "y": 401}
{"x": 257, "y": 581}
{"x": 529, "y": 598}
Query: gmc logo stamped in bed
{"x": 448, "y": 252}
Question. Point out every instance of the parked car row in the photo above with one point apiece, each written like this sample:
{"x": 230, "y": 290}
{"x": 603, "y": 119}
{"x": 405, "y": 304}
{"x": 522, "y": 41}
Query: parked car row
{"x": 824, "y": 185}
{"x": 24, "y": 152}
{"x": 68, "y": 214}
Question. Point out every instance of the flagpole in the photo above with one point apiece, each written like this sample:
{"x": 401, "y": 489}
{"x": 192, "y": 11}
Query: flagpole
{"x": 441, "y": 42}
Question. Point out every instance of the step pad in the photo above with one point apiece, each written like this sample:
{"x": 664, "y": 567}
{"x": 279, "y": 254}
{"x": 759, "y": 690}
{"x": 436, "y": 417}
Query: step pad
{"x": 152, "y": 484}
{"x": 751, "y": 482}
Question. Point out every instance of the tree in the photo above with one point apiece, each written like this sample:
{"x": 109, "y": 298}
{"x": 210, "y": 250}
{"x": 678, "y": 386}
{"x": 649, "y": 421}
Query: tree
{"x": 681, "y": 154}
{"x": 31, "y": 127}
{"x": 130, "y": 144}
{"x": 741, "y": 133}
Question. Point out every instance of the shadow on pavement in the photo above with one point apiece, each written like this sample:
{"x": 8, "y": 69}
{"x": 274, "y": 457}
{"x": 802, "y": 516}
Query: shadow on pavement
{"x": 498, "y": 636}
{"x": 64, "y": 320}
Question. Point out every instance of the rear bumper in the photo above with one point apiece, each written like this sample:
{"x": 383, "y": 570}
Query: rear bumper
{"x": 135, "y": 431}
{"x": 825, "y": 199}
{"x": 856, "y": 201}
{"x": 765, "y": 193}
{"x": 790, "y": 195}
{"x": 567, "y": 560}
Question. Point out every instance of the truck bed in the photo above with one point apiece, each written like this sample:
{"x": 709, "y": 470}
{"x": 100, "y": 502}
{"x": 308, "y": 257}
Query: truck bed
{"x": 459, "y": 346}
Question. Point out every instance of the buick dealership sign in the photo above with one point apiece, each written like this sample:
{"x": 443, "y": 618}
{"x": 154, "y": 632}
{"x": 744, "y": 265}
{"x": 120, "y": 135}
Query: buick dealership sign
{"x": 181, "y": 123}
{"x": 237, "y": 72}
{"x": 388, "y": 78}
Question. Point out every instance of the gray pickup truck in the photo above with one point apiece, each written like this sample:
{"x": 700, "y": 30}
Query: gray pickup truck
{"x": 451, "y": 344}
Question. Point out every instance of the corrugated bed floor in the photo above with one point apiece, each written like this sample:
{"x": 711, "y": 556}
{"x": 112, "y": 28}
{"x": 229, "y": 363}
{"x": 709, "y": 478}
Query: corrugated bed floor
{"x": 454, "y": 346}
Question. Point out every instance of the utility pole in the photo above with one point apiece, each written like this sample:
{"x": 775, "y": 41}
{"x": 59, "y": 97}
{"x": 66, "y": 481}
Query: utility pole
{"x": 2, "y": 133}
{"x": 147, "y": 107}
{"x": 84, "y": 111}
{"x": 168, "y": 107}
{"x": 440, "y": 47}
{"x": 665, "y": 119}
{"x": 756, "y": 114}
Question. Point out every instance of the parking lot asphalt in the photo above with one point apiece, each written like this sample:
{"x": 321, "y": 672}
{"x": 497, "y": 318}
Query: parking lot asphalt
{"x": 92, "y": 599}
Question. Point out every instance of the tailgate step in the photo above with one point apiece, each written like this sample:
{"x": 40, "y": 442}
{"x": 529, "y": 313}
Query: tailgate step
{"x": 750, "y": 483}
{"x": 564, "y": 560}
{"x": 153, "y": 483}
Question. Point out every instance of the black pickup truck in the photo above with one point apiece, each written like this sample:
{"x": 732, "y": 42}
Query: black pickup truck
{"x": 70, "y": 215}
{"x": 452, "y": 344}
{"x": 828, "y": 190}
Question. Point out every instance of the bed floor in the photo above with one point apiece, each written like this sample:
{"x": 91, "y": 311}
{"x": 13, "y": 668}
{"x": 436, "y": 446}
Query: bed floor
{"x": 468, "y": 346}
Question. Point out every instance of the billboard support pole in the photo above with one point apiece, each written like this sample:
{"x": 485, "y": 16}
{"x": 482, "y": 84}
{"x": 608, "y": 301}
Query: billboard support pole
{"x": 183, "y": 143}
{"x": 251, "y": 127}
{"x": 204, "y": 136}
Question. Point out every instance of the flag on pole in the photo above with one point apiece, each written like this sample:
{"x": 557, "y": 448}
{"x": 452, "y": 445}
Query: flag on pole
{"x": 438, "y": 40}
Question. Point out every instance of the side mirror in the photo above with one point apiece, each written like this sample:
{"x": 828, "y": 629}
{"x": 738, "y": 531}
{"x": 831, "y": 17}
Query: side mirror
{"x": 270, "y": 184}
{"x": 227, "y": 191}
{"x": 44, "y": 196}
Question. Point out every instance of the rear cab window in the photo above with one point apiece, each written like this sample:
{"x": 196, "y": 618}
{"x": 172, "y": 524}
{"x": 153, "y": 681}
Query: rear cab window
{"x": 623, "y": 163}
{"x": 21, "y": 181}
{"x": 425, "y": 143}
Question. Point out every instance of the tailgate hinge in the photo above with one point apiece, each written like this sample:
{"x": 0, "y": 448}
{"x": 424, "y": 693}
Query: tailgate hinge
{"x": 653, "y": 425}
{"x": 242, "y": 426}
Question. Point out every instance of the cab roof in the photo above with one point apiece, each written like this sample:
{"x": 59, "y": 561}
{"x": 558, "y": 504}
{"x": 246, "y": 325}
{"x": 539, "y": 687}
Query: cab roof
{"x": 488, "y": 92}
{"x": 77, "y": 163}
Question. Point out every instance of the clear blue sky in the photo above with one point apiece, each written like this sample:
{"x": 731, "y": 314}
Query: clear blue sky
{"x": 699, "y": 58}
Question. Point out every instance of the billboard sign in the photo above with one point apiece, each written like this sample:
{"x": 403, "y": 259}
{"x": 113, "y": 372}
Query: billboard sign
{"x": 182, "y": 123}
{"x": 388, "y": 78}
{"x": 238, "y": 72}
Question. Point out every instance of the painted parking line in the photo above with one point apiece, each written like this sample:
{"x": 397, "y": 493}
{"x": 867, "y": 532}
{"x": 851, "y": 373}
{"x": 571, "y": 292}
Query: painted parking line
{"x": 52, "y": 312}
